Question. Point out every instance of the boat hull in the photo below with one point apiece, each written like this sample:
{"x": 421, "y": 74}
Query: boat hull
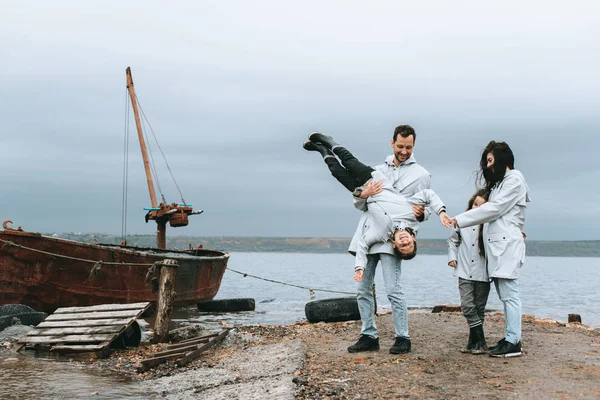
{"x": 46, "y": 273}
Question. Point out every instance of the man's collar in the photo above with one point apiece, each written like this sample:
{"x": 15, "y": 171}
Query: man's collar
{"x": 390, "y": 160}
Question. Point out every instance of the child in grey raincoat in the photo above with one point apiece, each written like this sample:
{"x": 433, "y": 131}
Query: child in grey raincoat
{"x": 503, "y": 217}
{"x": 466, "y": 255}
{"x": 391, "y": 217}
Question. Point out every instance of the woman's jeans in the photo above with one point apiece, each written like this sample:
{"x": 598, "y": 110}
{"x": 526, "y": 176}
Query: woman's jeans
{"x": 366, "y": 303}
{"x": 508, "y": 291}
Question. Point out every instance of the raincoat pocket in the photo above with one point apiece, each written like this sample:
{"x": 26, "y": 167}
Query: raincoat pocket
{"x": 497, "y": 243}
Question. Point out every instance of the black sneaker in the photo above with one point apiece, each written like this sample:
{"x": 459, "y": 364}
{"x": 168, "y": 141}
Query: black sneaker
{"x": 496, "y": 345}
{"x": 401, "y": 346}
{"x": 365, "y": 343}
{"x": 506, "y": 349}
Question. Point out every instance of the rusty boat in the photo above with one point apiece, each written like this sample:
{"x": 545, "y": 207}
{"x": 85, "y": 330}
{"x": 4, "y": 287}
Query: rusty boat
{"x": 46, "y": 272}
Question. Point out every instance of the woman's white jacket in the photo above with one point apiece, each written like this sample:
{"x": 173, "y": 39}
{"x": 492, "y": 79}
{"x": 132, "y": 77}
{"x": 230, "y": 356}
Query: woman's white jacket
{"x": 504, "y": 217}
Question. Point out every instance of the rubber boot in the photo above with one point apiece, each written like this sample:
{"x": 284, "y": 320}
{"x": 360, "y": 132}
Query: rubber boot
{"x": 469, "y": 347}
{"x": 327, "y": 141}
{"x": 311, "y": 146}
{"x": 478, "y": 346}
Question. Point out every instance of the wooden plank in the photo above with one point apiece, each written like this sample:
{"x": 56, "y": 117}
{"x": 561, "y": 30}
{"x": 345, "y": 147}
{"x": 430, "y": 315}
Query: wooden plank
{"x": 198, "y": 337}
{"x": 85, "y": 322}
{"x": 76, "y": 331}
{"x": 186, "y": 349}
{"x": 95, "y": 315}
{"x": 190, "y": 343}
{"x": 189, "y": 357}
{"x": 78, "y": 347}
{"x": 68, "y": 338}
{"x": 152, "y": 362}
{"x": 103, "y": 307}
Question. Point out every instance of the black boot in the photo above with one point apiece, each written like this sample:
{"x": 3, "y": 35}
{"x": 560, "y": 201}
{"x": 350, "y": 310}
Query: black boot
{"x": 311, "y": 146}
{"x": 469, "y": 347}
{"x": 478, "y": 346}
{"x": 318, "y": 137}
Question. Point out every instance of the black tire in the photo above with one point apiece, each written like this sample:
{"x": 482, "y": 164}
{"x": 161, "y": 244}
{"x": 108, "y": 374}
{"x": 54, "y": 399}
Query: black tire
{"x": 227, "y": 305}
{"x": 26, "y": 318}
{"x": 332, "y": 310}
{"x": 12, "y": 309}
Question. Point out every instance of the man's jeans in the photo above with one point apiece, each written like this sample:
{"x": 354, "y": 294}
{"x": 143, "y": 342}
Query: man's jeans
{"x": 366, "y": 304}
{"x": 508, "y": 291}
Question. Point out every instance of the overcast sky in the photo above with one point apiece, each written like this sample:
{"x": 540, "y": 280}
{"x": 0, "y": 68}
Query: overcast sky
{"x": 233, "y": 88}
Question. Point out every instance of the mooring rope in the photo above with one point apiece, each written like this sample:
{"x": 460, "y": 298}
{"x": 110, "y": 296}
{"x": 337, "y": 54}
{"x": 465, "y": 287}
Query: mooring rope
{"x": 288, "y": 284}
{"x": 12, "y": 244}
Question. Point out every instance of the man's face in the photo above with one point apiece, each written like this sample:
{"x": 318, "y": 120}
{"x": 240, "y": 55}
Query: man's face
{"x": 404, "y": 242}
{"x": 403, "y": 148}
{"x": 490, "y": 161}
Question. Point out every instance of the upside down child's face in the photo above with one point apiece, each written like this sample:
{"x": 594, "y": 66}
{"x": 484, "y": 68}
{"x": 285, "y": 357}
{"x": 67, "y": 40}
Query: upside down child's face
{"x": 404, "y": 242}
{"x": 478, "y": 202}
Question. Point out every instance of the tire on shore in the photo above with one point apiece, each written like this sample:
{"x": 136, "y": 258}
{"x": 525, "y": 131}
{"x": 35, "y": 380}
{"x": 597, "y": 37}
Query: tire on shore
{"x": 332, "y": 310}
{"x": 227, "y": 305}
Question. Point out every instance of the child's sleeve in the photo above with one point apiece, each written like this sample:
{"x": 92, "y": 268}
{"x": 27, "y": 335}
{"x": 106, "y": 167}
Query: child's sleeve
{"x": 453, "y": 243}
{"x": 428, "y": 197}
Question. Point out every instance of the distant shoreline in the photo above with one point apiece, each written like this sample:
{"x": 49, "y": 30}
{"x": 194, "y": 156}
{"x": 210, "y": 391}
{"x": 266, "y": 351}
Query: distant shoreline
{"x": 579, "y": 248}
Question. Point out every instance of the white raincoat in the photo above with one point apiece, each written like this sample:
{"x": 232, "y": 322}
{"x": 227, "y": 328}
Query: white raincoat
{"x": 504, "y": 217}
{"x": 408, "y": 178}
{"x": 388, "y": 211}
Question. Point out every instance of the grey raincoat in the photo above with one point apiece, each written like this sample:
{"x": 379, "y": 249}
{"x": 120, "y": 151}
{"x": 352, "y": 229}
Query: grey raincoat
{"x": 407, "y": 179}
{"x": 504, "y": 217}
{"x": 389, "y": 211}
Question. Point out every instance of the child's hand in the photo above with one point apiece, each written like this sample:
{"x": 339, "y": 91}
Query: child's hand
{"x": 358, "y": 275}
{"x": 452, "y": 263}
{"x": 454, "y": 222}
{"x": 445, "y": 219}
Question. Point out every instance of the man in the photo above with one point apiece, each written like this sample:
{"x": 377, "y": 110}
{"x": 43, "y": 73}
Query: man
{"x": 407, "y": 178}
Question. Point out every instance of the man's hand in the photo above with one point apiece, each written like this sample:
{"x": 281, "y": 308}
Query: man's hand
{"x": 452, "y": 263}
{"x": 372, "y": 188}
{"x": 445, "y": 219}
{"x": 358, "y": 275}
{"x": 418, "y": 211}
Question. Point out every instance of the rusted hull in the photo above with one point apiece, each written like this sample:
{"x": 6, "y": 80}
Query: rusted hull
{"x": 46, "y": 273}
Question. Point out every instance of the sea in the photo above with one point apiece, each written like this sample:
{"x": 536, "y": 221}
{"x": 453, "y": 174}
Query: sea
{"x": 282, "y": 283}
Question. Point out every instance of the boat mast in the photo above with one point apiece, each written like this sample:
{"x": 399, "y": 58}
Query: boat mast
{"x": 175, "y": 214}
{"x": 138, "y": 124}
{"x": 161, "y": 232}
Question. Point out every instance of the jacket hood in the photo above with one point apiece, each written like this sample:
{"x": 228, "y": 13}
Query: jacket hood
{"x": 518, "y": 173}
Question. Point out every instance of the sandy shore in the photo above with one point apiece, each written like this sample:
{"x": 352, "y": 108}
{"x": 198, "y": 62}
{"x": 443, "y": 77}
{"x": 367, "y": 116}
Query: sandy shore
{"x": 310, "y": 361}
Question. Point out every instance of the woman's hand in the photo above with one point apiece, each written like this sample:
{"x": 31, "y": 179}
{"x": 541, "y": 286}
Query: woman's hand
{"x": 372, "y": 188}
{"x": 358, "y": 275}
{"x": 445, "y": 219}
{"x": 452, "y": 263}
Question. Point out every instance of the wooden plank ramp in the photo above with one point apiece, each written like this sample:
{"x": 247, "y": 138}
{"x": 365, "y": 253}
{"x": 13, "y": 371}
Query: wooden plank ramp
{"x": 88, "y": 331}
{"x": 184, "y": 352}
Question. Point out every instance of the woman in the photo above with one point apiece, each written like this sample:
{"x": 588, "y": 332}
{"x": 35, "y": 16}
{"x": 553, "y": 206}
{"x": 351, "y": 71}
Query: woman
{"x": 503, "y": 217}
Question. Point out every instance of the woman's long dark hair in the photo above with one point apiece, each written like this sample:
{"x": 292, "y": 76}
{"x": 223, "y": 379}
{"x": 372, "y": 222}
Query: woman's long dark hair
{"x": 485, "y": 194}
{"x": 503, "y": 157}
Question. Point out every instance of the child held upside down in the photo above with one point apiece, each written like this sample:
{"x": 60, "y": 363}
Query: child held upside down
{"x": 391, "y": 215}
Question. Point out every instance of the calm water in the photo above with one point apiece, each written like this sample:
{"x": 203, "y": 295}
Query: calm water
{"x": 550, "y": 287}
